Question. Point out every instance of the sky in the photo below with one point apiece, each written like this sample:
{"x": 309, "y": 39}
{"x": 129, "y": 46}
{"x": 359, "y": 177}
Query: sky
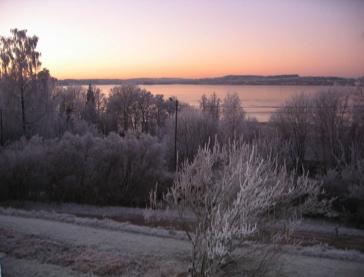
{"x": 192, "y": 38}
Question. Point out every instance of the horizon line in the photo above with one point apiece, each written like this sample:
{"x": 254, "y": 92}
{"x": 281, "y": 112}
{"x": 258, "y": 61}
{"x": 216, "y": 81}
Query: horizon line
{"x": 217, "y": 76}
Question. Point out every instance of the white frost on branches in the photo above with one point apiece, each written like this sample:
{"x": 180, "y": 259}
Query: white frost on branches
{"x": 236, "y": 195}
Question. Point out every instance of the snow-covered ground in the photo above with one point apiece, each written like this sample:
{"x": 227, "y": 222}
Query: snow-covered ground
{"x": 137, "y": 216}
{"x": 42, "y": 242}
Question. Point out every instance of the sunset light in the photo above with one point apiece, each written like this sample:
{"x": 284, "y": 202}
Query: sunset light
{"x": 169, "y": 38}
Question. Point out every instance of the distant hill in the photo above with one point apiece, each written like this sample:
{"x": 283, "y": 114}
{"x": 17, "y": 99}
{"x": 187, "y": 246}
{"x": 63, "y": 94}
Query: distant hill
{"x": 292, "y": 79}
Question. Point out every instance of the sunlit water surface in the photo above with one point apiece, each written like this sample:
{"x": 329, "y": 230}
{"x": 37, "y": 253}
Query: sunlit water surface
{"x": 258, "y": 101}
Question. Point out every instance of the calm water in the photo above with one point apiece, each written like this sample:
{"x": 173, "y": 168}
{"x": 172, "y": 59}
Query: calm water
{"x": 258, "y": 101}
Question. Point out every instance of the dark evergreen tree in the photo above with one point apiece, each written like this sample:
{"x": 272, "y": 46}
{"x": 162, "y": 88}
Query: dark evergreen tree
{"x": 89, "y": 113}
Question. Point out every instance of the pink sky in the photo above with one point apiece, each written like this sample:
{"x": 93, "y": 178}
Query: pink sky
{"x": 155, "y": 38}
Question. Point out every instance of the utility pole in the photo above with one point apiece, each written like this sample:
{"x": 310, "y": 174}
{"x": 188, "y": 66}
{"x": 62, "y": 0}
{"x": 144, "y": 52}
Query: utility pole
{"x": 175, "y": 133}
{"x": 1, "y": 128}
{"x": 175, "y": 139}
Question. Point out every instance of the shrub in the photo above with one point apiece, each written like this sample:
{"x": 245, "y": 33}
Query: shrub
{"x": 22, "y": 169}
{"x": 347, "y": 186}
{"x": 235, "y": 195}
{"x": 109, "y": 170}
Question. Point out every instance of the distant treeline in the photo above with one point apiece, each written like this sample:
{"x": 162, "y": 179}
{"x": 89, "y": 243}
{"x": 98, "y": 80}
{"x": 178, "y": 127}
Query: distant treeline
{"x": 291, "y": 79}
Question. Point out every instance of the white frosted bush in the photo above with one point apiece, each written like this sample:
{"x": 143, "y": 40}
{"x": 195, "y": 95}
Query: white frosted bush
{"x": 236, "y": 195}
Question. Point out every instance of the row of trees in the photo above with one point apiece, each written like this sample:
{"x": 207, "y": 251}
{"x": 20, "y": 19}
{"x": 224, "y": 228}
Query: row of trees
{"x": 326, "y": 128}
{"x": 50, "y": 111}
{"x": 31, "y": 103}
{"x": 311, "y": 133}
{"x": 126, "y": 108}
{"x": 91, "y": 169}
{"x": 216, "y": 119}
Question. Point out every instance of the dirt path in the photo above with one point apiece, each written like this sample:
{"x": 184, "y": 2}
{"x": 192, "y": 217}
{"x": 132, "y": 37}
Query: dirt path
{"x": 43, "y": 247}
{"x": 310, "y": 232}
{"x": 90, "y": 250}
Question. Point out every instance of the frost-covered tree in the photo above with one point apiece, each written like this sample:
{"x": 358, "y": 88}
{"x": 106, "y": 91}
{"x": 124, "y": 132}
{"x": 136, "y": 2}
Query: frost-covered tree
{"x": 293, "y": 121}
{"x": 235, "y": 196}
{"x": 325, "y": 128}
{"x": 120, "y": 107}
{"x": 132, "y": 108}
{"x": 71, "y": 101}
{"x": 70, "y": 105}
{"x": 330, "y": 121}
{"x": 19, "y": 65}
{"x": 357, "y": 124}
{"x": 146, "y": 108}
{"x": 233, "y": 117}
{"x": 162, "y": 111}
{"x": 42, "y": 112}
{"x": 89, "y": 112}
{"x": 211, "y": 105}
{"x": 26, "y": 94}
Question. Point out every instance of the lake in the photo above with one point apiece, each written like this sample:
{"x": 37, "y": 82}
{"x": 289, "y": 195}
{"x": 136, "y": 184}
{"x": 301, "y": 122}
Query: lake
{"x": 258, "y": 101}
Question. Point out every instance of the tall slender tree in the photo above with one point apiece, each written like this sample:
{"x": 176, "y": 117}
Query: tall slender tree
{"x": 89, "y": 113}
{"x": 19, "y": 64}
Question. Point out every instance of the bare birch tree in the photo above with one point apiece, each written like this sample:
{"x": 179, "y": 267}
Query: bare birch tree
{"x": 19, "y": 64}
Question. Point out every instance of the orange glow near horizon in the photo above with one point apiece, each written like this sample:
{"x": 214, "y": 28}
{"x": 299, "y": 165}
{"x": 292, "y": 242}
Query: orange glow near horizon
{"x": 127, "y": 39}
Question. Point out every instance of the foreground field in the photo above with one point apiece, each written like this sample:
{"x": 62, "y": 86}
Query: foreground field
{"x": 48, "y": 243}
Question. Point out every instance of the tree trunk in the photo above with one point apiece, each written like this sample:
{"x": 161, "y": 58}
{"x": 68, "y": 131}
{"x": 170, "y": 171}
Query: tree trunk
{"x": 24, "y": 127}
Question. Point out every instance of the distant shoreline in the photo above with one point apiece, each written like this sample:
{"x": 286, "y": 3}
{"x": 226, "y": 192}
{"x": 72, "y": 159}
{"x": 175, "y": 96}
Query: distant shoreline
{"x": 278, "y": 80}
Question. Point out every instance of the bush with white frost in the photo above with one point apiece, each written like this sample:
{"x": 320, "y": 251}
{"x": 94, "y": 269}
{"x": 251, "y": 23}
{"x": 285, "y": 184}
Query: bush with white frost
{"x": 87, "y": 169}
{"x": 236, "y": 195}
